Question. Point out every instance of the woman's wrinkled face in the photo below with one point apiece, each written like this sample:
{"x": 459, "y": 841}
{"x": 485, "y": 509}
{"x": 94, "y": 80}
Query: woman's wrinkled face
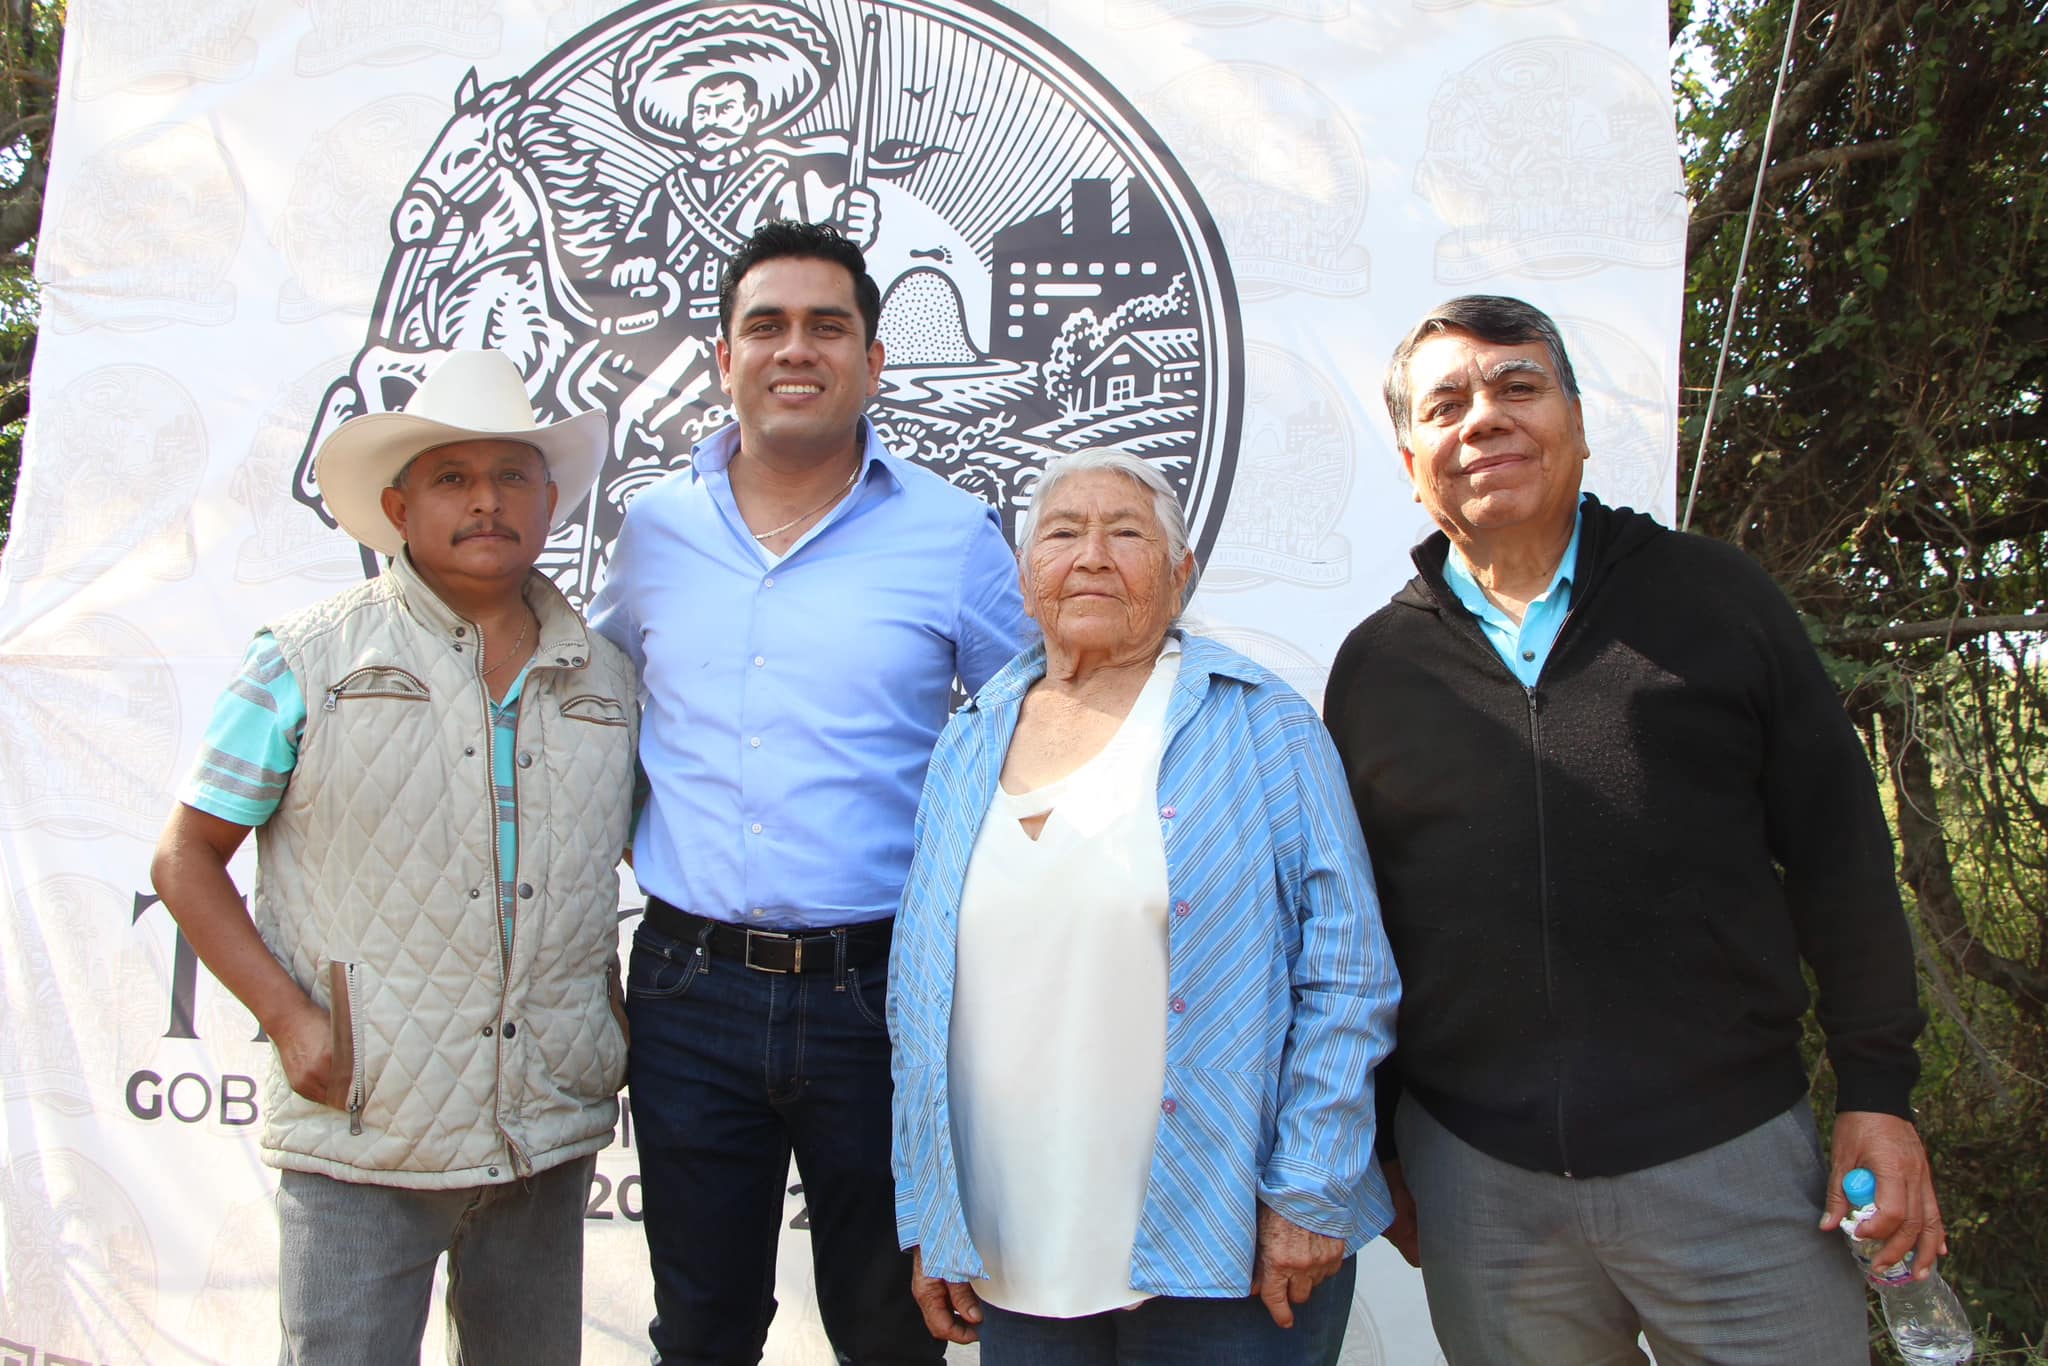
{"x": 1097, "y": 576}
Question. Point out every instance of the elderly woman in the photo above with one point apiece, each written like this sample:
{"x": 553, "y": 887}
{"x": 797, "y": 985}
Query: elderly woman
{"x": 1139, "y": 984}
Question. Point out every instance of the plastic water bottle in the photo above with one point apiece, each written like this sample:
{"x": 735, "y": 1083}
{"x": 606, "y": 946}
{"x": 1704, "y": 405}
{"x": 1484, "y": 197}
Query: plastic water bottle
{"x": 1925, "y": 1321}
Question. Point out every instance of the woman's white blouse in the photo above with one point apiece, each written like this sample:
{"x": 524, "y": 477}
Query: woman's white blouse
{"x": 1058, "y": 1049}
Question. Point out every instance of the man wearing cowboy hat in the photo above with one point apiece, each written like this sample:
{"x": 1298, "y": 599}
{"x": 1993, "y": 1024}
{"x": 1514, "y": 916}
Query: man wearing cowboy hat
{"x": 438, "y": 765}
{"x": 718, "y": 87}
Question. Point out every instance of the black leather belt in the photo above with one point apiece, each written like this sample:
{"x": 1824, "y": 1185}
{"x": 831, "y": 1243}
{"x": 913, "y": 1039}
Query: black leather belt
{"x": 854, "y": 946}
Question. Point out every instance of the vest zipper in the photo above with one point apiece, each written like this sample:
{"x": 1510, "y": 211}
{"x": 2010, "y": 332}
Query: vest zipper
{"x": 520, "y": 1162}
{"x": 358, "y": 1082}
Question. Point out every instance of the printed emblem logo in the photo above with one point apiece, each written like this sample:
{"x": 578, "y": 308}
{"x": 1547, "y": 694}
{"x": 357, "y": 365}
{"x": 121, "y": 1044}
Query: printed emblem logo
{"x": 341, "y": 188}
{"x": 1050, "y": 280}
{"x": 277, "y": 546}
{"x": 137, "y": 448}
{"x": 1292, "y": 663}
{"x": 148, "y": 46}
{"x": 1291, "y": 183}
{"x": 1295, "y": 473}
{"x": 80, "y": 1265}
{"x": 1552, "y": 158}
{"x": 179, "y": 181}
{"x": 379, "y": 33}
{"x": 1628, "y": 417}
{"x": 95, "y": 701}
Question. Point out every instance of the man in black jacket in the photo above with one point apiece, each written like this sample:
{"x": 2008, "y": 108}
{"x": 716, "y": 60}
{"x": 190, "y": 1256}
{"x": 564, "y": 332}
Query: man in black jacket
{"x": 1613, "y": 803}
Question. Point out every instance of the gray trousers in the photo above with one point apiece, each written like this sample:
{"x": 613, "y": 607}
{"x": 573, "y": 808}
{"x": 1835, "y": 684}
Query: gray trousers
{"x": 356, "y": 1269}
{"x": 1714, "y": 1258}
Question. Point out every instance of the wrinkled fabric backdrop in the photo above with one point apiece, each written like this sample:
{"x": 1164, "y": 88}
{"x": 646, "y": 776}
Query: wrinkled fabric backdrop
{"x": 1189, "y": 228}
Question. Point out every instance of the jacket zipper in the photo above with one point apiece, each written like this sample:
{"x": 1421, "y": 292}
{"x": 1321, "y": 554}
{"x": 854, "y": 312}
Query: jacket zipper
{"x": 1542, "y": 836}
{"x": 1564, "y": 1154}
{"x": 1543, "y": 902}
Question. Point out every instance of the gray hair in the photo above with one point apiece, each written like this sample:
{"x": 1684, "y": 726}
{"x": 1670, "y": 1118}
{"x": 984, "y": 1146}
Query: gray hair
{"x": 1493, "y": 318}
{"x": 1165, "y": 506}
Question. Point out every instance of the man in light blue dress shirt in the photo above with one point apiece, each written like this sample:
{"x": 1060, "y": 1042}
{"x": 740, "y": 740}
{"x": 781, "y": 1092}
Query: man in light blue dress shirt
{"x": 800, "y": 602}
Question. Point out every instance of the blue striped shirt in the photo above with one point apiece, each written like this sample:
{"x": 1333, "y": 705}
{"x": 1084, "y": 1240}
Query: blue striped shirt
{"x": 1275, "y": 950}
{"x": 251, "y": 746}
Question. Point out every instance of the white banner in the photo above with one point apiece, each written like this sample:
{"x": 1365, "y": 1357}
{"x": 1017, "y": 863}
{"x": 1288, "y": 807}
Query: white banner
{"x": 1190, "y": 228}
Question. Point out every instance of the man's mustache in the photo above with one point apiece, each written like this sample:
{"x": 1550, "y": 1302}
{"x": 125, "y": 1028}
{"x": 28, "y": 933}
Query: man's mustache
{"x": 486, "y": 529}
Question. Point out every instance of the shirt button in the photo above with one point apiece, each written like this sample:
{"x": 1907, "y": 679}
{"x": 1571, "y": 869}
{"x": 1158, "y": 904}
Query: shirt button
{"x": 511, "y": 1030}
{"x": 768, "y": 582}
{"x": 755, "y": 742}
{"x": 1168, "y": 812}
{"x": 526, "y": 761}
{"x": 1180, "y": 1006}
{"x": 1168, "y": 1106}
{"x": 755, "y": 827}
{"x": 526, "y": 890}
{"x": 1181, "y": 908}
{"x": 759, "y": 660}
{"x": 494, "y": 1171}
{"x": 469, "y": 751}
{"x": 1529, "y": 656}
{"x": 461, "y": 631}
{"x": 474, "y": 893}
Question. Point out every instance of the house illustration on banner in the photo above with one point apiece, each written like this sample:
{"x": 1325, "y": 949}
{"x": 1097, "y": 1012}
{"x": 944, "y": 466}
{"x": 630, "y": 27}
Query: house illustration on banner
{"x": 1155, "y": 361}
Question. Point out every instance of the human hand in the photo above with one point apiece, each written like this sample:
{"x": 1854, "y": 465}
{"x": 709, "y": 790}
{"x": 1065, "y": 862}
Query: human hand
{"x": 305, "y": 1045}
{"x": 861, "y": 211}
{"x": 633, "y": 271}
{"x": 1403, "y": 1233}
{"x": 1908, "y": 1215}
{"x": 950, "y": 1308}
{"x": 1291, "y": 1261}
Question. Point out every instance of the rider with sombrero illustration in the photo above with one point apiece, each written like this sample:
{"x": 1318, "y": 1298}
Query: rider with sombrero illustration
{"x": 718, "y": 87}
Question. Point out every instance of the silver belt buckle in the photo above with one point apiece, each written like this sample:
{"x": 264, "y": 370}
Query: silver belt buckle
{"x": 796, "y": 962}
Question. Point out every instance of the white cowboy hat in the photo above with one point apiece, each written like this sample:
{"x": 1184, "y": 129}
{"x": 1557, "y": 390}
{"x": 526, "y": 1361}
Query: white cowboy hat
{"x": 470, "y": 396}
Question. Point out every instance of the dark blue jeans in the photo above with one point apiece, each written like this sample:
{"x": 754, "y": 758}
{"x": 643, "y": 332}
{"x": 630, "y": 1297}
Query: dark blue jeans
{"x": 731, "y": 1071}
{"x": 1178, "y": 1332}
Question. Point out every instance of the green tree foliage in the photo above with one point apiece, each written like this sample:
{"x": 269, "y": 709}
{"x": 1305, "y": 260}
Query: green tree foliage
{"x": 1881, "y": 447}
{"x": 30, "y": 31}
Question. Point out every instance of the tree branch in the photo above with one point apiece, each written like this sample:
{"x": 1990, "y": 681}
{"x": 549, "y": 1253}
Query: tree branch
{"x": 2002, "y": 431}
{"x": 1925, "y": 866}
{"x": 1950, "y": 629}
{"x": 21, "y": 212}
{"x": 1827, "y": 158}
{"x": 1855, "y": 33}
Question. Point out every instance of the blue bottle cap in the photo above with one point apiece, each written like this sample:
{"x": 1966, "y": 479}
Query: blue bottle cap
{"x": 1859, "y": 1187}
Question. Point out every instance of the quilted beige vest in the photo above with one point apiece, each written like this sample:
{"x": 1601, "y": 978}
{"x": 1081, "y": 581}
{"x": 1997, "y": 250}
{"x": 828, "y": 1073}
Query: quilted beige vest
{"x": 377, "y": 888}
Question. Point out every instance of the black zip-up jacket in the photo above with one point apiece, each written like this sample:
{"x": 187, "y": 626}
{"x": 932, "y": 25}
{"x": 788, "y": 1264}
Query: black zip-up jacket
{"x": 1599, "y": 889}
